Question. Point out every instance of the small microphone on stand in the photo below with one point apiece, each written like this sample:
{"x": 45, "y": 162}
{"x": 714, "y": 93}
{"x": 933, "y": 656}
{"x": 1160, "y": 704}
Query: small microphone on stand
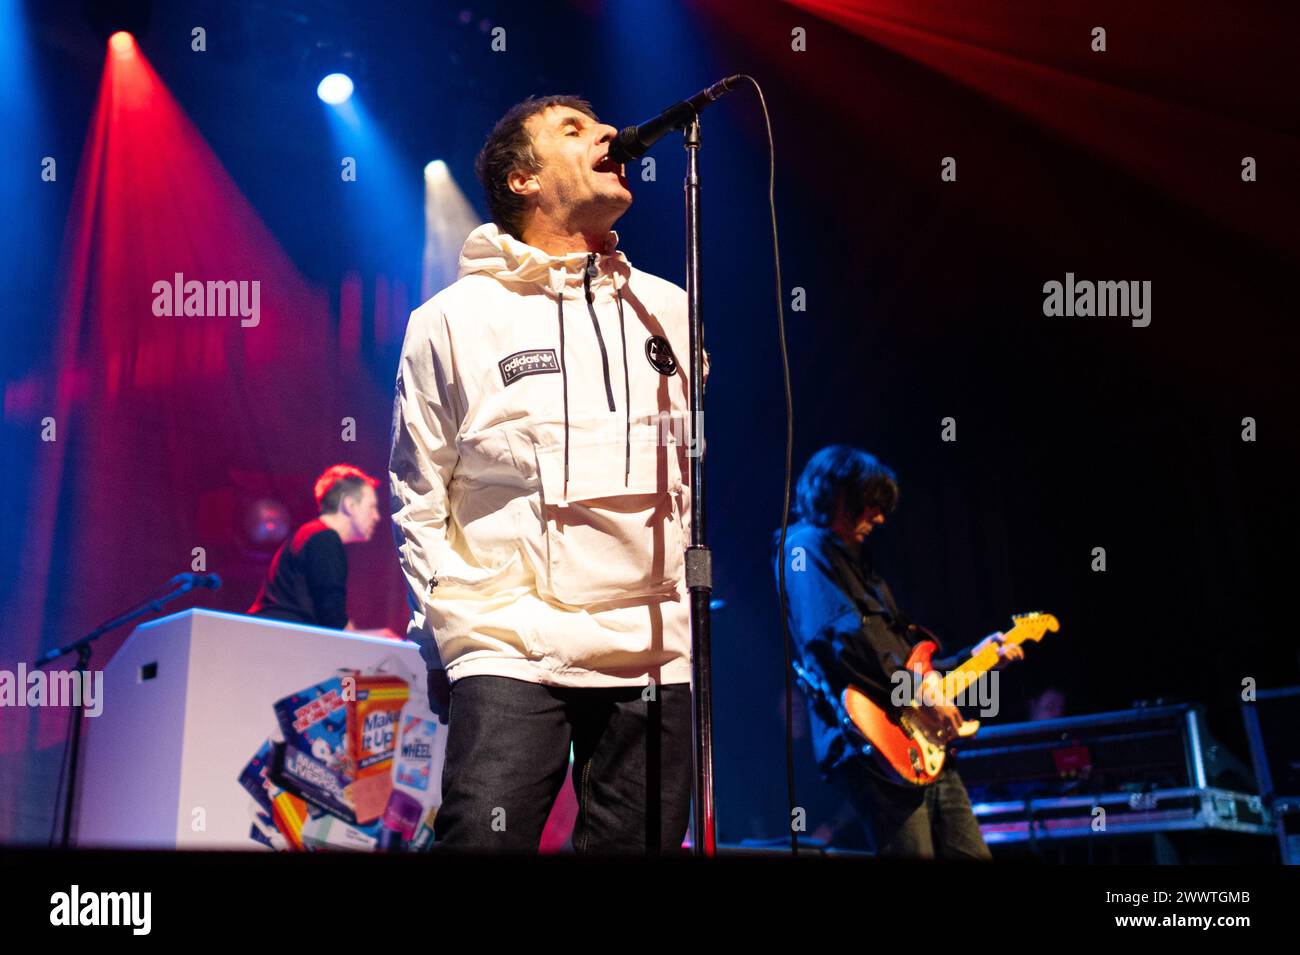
{"x": 191, "y": 581}
{"x": 633, "y": 142}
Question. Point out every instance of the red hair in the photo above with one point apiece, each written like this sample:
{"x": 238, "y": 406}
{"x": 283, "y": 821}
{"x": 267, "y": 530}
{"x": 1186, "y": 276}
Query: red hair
{"x": 338, "y": 482}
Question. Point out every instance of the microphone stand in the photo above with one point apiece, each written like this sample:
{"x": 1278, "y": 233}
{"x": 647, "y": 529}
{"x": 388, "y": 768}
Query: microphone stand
{"x": 699, "y": 559}
{"x": 82, "y": 648}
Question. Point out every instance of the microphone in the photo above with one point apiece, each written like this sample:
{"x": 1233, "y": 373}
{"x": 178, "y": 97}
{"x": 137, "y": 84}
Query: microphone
{"x": 633, "y": 142}
{"x": 210, "y": 581}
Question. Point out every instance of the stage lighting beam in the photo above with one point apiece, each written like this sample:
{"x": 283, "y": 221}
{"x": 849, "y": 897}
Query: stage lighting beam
{"x": 335, "y": 89}
{"x": 122, "y": 43}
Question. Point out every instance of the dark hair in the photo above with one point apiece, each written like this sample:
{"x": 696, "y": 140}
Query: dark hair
{"x": 338, "y": 482}
{"x": 842, "y": 475}
{"x": 509, "y": 147}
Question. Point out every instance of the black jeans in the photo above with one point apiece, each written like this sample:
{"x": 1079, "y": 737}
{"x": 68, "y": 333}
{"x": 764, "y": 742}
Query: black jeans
{"x": 508, "y": 750}
{"x": 904, "y": 821}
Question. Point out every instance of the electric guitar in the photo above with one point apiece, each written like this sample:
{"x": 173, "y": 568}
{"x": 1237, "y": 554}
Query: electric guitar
{"x": 903, "y": 743}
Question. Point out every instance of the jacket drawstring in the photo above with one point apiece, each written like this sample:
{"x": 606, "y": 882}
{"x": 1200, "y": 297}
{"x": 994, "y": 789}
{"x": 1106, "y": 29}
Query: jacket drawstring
{"x": 627, "y": 395}
{"x": 558, "y": 288}
{"x": 558, "y": 279}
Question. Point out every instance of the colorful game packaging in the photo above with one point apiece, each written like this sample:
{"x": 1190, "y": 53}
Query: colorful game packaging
{"x": 314, "y": 721}
{"x": 255, "y": 780}
{"x": 328, "y": 832}
{"x": 372, "y": 726}
{"x": 423, "y": 840}
{"x": 287, "y": 811}
{"x": 415, "y": 791}
{"x": 353, "y": 771}
{"x": 401, "y": 817}
{"x": 300, "y": 774}
{"x": 414, "y": 760}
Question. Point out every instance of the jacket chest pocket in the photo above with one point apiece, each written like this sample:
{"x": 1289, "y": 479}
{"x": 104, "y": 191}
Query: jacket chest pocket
{"x": 610, "y": 536}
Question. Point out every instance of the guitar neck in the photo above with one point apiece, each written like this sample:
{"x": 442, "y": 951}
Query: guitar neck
{"x": 965, "y": 674}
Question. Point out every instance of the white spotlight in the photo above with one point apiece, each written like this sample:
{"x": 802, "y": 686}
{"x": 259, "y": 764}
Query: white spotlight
{"x": 335, "y": 89}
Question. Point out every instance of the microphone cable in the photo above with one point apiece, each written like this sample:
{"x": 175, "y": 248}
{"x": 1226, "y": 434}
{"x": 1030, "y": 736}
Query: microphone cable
{"x": 787, "y": 642}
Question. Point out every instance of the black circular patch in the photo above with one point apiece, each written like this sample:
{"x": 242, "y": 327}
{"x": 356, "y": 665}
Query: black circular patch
{"x": 660, "y": 354}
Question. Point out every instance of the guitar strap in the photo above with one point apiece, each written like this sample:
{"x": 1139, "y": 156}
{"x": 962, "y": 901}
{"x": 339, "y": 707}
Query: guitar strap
{"x": 831, "y": 705}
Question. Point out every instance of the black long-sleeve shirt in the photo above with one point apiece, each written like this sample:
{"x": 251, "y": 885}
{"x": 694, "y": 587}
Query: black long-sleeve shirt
{"x": 845, "y": 626}
{"x": 307, "y": 581}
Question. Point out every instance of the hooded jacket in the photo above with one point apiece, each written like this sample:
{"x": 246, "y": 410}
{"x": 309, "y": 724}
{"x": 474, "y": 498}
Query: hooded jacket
{"x": 539, "y": 465}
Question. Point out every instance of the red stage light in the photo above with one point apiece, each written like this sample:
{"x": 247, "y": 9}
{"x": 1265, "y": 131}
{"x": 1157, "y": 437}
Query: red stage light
{"x": 122, "y": 43}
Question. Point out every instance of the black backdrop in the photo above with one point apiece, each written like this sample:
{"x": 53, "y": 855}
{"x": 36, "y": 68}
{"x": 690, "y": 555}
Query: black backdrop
{"x": 924, "y": 301}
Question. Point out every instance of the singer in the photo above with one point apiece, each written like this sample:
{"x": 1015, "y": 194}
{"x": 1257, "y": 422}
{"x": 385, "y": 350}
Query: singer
{"x": 539, "y": 517}
{"x": 307, "y": 581}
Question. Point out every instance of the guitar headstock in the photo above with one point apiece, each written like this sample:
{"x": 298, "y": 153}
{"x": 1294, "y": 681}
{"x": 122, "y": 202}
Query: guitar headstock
{"x": 1034, "y": 624}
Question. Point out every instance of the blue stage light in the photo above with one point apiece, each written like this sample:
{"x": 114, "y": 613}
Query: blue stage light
{"x": 335, "y": 89}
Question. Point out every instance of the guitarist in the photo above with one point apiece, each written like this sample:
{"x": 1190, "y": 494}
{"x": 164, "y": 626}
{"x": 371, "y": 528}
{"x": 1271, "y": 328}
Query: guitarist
{"x": 847, "y": 629}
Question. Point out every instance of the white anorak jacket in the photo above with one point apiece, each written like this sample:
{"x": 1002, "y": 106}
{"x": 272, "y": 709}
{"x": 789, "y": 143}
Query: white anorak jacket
{"x": 539, "y": 468}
